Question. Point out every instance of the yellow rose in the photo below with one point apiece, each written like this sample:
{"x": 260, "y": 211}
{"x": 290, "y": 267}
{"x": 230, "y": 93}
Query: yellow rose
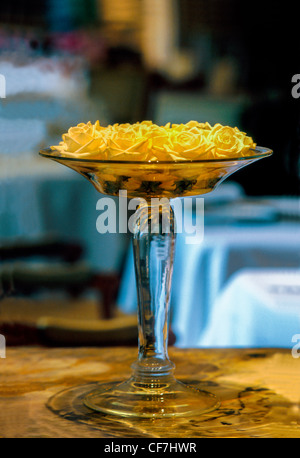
{"x": 228, "y": 141}
{"x": 138, "y": 142}
{"x": 189, "y": 145}
{"x": 198, "y": 125}
{"x": 84, "y": 140}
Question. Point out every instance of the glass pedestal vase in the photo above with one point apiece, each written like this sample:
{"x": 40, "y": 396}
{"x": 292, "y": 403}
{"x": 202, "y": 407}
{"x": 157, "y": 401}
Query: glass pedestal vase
{"x": 152, "y": 390}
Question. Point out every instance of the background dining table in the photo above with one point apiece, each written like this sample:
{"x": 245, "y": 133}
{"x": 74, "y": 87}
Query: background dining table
{"x": 257, "y": 307}
{"x": 41, "y": 392}
{"x": 239, "y": 233}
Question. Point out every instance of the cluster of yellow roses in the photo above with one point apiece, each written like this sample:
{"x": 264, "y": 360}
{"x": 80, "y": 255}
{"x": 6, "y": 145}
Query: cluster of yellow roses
{"x": 148, "y": 142}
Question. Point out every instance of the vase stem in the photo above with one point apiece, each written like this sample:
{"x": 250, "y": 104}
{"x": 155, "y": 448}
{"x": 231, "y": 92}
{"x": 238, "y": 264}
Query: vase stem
{"x": 153, "y": 243}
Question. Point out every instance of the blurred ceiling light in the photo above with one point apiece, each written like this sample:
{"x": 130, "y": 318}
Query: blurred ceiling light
{"x": 120, "y": 10}
{"x": 159, "y": 32}
{"x": 160, "y": 41}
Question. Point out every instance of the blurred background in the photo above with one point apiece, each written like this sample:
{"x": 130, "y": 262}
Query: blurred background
{"x": 169, "y": 61}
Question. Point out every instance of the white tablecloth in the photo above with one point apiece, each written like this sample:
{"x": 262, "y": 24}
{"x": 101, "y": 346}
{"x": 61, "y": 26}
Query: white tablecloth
{"x": 202, "y": 270}
{"x": 39, "y": 197}
{"x": 257, "y": 308}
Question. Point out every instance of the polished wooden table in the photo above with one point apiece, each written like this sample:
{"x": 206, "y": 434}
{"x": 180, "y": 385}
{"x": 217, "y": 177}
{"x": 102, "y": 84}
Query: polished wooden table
{"x": 41, "y": 389}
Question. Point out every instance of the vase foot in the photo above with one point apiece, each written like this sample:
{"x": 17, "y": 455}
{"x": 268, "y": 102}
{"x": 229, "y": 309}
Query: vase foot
{"x": 155, "y": 399}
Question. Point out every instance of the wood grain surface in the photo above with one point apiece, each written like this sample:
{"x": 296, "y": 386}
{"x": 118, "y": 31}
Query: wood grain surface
{"x": 41, "y": 393}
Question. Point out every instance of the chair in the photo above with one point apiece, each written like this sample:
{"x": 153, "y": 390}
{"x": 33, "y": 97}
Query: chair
{"x": 71, "y": 323}
{"x": 23, "y": 275}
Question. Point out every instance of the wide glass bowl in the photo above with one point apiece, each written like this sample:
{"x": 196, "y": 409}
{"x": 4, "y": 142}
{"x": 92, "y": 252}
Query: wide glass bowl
{"x": 152, "y": 391}
{"x": 157, "y": 179}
